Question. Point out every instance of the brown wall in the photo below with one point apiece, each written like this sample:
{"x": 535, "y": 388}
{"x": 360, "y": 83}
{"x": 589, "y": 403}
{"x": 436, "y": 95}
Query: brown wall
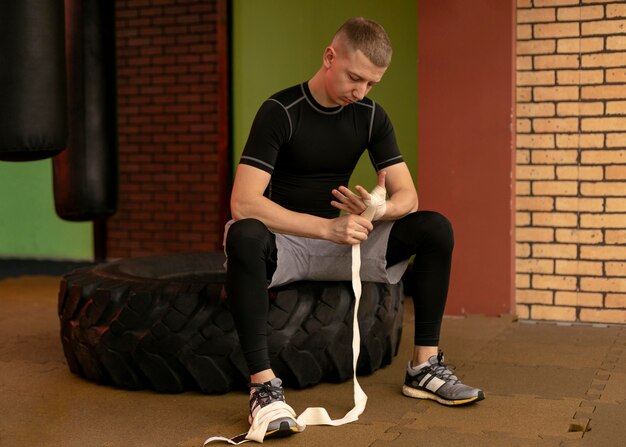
{"x": 465, "y": 89}
{"x": 571, "y": 160}
{"x": 173, "y": 128}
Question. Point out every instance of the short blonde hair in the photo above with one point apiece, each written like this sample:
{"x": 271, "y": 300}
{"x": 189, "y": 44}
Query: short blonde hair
{"x": 363, "y": 34}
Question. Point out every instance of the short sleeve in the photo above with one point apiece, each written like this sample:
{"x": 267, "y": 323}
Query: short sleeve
{"x": 383, "y": 147}
{"x": 270, "y": 130}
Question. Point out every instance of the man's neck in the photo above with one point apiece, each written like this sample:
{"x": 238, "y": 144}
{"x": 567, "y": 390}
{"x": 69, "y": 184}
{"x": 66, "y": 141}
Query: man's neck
{"x": 316, "y": 86}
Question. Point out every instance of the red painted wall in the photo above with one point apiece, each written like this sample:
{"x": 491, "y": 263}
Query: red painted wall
{"x": 465, "y": 143}
{"x": 173, "y": 127}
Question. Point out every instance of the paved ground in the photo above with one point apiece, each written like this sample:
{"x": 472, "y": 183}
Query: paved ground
{"x": 546, "y": 385}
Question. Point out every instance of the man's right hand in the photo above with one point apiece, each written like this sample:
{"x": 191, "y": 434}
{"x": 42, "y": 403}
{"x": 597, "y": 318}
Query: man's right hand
{"x": 349, "y": 229}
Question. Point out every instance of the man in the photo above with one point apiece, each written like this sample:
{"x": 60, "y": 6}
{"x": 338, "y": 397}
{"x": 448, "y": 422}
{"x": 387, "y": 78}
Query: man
{"x": 289, "y": 187}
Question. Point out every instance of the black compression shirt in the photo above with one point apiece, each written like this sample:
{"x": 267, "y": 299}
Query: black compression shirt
{"x": 309, "y": 149}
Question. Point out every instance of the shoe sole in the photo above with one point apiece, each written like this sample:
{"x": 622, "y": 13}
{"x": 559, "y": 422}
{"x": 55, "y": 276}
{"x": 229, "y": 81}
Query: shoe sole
{"x": 419, "y": 394}
{"x": 282, "y": 431}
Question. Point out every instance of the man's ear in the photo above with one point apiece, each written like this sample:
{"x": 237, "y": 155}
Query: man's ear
{"x": 329, "y": 56}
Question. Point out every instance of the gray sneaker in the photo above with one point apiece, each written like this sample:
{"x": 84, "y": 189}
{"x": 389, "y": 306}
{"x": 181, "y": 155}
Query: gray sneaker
{"x": 437, "y": 382}
{"x": 263, "y": 394}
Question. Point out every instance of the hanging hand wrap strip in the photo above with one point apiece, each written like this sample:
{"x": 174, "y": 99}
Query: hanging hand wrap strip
{"x": 376, "y": 207}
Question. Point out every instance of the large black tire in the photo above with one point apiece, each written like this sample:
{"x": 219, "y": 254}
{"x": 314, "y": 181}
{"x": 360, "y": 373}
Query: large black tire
{"x": 163, "y": 323}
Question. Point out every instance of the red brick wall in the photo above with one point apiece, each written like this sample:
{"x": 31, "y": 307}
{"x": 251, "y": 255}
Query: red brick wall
{"x": 172, "y": 127}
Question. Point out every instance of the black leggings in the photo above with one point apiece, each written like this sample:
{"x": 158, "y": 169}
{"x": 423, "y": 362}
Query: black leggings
{"x": 251, "y": 250}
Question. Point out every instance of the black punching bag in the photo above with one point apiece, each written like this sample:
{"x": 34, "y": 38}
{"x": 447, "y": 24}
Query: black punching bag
{"x": 85, "y": 174}
{"x": 33, "y": 110}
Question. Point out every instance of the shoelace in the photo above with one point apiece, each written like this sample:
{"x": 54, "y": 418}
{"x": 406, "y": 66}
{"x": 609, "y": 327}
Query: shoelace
{"x": 443, "y": 371}
{"x": 265, "y": 394}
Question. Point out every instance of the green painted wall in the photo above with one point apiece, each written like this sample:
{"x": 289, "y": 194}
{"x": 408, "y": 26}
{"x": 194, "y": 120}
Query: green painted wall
{"x": 279, "y": 43}
{"x": 29, "y": 226}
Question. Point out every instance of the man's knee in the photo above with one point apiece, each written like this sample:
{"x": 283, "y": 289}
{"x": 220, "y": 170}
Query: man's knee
{"x": 430, "y": 228}
{"x": 245, "y": 236}
{"x": 439, "y": 229}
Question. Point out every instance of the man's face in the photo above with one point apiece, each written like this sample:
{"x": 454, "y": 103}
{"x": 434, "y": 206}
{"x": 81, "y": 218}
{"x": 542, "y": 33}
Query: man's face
{"x": 350, "y": 75}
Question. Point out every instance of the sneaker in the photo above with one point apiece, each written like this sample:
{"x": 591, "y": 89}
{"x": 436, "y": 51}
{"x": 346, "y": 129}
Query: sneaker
{"x": 264, "y": 394}
{"x": 437, "y": 382}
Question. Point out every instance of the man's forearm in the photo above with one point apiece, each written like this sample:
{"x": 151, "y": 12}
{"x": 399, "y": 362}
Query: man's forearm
{"x": 400, "y": 204}
{"x": 280, "y": 219}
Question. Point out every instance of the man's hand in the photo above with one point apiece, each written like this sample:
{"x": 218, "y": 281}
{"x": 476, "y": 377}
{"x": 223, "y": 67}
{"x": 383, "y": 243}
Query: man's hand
{"x": 352, "y": 203}
{"x": 349, "y": 229}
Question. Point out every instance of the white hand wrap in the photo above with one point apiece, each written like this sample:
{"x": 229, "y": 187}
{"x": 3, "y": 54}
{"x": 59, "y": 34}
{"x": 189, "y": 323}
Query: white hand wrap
{"x": 376, "y": 204}
{"x": 376, "y": 207}
{"x": 271, "y": 412}
{"x": 265, "y": 415}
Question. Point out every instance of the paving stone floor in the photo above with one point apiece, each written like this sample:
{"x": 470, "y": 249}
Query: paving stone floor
{"x": 546, "y": 385}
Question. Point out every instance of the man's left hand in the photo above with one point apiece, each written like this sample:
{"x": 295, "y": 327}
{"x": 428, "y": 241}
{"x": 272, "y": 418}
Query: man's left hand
{"x": 350, "y": 202}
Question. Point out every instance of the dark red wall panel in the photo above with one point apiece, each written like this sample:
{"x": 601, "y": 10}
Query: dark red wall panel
{"x": 465, "y": 91}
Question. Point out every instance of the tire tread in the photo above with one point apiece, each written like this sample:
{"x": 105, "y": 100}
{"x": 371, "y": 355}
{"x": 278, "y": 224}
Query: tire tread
{"x": 177, "y": 334}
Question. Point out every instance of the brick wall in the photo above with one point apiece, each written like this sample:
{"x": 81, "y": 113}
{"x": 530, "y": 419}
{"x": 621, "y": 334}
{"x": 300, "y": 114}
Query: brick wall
{"x": 172, "y": 127}
{"x": 571, "y": 160}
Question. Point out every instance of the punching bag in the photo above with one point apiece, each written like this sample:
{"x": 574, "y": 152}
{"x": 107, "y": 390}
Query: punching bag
{"x": 85, "y": 174}
{"x": 33, "y": 110}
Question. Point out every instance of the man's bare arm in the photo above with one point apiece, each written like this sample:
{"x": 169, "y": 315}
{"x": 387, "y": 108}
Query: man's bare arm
{"x": 247, "y": 201}
{"x": 401, "y": 190}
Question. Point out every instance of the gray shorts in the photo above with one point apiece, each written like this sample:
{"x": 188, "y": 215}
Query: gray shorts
{"x": 302, "y": 258}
